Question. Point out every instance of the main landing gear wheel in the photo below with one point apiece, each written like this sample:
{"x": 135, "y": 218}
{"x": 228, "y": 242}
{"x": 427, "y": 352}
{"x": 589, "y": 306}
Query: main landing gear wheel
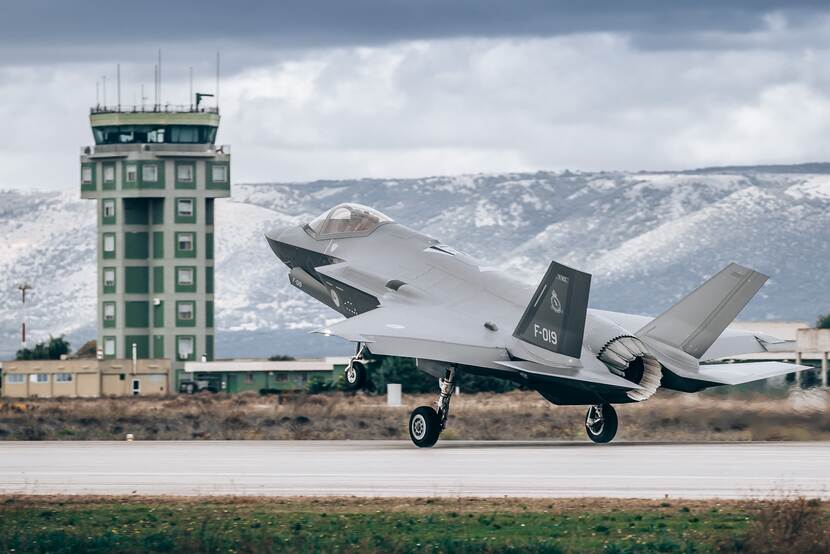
{"x": 355, "y": 375}
{"x": 601, "y": 423}
{"x": 426, "y": 422}
{"x": 424, "y": 426}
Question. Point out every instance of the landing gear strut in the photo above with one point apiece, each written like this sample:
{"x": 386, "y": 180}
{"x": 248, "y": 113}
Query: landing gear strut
{"x": 601, "y": 423}
{"x": 355, "y": 374}
{"x": 426, "y": 422}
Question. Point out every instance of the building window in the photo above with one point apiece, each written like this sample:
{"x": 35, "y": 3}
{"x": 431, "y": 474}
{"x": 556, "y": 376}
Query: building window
{"x": 185, "y": 241}
{"x": 185, "y": 311}
{"x": 109, "y": 173}
{"x": 184, "y": 276}
{"x": 86, "y": 175}
{"x": 109, "y": 346}
{"x": 63, "y": 377}
{"x": 39, "y": 378}
{"x": 109, "y": 242}
{"x": 109, "y": 207}
{"x": 184, "y": 207}
{"x": 219, "y": 173}
{"x": 15, "y": 379}
{"x": 109, "y": 311}
{"x": 184, "y": 173}
{"x": 150, "y": 173}
{"x": 109, "y": 277}
{"x": 185, "y": 348}
{"x": 132, "y": 173}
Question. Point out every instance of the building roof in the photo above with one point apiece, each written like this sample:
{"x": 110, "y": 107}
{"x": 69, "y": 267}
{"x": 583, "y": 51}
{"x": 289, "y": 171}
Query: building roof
{"x": 253, "y": 365}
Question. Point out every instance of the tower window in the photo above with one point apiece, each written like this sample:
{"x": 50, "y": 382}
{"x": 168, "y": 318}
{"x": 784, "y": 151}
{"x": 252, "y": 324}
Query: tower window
{"x": 86, "y": 175}
{"x": 109, "y": 311}
{"x": 185, "y": 347}
{"x": 184, "y": 207}
{"x": 109, "y": 173}
{"x": 184, "y": 173}
{"x": 150, "y": 173}
{"x": 109, "y": 208}
{"x": 109, "y": 277}
{"x": 184, "y": 276}
{"x": 109, "y": 346}
{"x": 132, "y": 173}
{"x": 185, "y": 311}
{"x": 109, "y": 242}
{"x": 219, "y": 173}
{"x": 185, "y": 241}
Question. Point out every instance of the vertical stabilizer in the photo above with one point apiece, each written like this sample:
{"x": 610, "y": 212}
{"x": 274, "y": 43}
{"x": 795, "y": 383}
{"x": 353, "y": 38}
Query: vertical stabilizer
{"x": 555, "y": 318}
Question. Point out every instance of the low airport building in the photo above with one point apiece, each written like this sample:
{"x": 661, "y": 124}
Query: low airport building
{"x": 263, "y": 376}
{"x": 92, "y": 378}
{"x": 84, "y": 378}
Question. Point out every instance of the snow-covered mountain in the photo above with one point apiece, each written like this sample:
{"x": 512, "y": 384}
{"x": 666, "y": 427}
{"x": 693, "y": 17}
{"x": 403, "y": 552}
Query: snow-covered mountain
{"x": 647, "y": 238}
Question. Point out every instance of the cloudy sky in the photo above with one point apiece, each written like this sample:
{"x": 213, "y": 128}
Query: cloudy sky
{"x": 393, "y": 88}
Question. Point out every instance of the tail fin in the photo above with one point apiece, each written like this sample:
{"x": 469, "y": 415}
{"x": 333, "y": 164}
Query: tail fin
{"x": 555, "y": 318}
{"x": 695, "y": 322}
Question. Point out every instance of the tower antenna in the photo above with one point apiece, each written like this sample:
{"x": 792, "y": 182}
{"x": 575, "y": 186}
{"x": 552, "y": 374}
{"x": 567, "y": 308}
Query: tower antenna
{"x": 160, "y": 100}
{"x": 190, "y": 97}
{"x": 155, "y": 87}
{"x": 97, "y": 93}
{"x": 217, "y": 80}
{"x": 118, "y": 83}
{"x": 105, "y": 91}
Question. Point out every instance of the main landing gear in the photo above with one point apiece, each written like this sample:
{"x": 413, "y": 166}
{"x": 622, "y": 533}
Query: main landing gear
{"x": 601, "y": 423}
{"x": 355, "y": 373}
{"x": 426, "y": 422}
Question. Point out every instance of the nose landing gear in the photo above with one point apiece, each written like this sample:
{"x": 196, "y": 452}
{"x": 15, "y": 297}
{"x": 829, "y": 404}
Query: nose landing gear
{"x": 355, "y": 374}
{"x": 601, "y": 423}
{"x": 426, "y": 422}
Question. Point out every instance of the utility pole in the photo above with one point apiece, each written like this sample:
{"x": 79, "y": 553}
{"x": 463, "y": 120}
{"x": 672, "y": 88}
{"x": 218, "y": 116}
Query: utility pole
{"x": 23, "y": 287}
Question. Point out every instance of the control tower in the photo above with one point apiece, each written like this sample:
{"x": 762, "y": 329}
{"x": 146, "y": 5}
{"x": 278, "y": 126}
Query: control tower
{"x": 155, "y": 174}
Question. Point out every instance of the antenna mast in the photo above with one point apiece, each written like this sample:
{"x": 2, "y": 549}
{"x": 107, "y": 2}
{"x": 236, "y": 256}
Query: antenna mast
{"x": 105, "y": 91}
{"x": 118, "y": 84}
{"x": 160, "y": 100}
{"x": 217, "y": 80}
{"x": 190, "y": 98}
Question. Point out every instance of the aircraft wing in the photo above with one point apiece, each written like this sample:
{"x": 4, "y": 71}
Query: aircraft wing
{"x": 425, "y": 332}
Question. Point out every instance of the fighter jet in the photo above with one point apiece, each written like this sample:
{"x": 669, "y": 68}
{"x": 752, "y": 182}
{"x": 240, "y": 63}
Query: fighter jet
{"x": 406, "y": 294}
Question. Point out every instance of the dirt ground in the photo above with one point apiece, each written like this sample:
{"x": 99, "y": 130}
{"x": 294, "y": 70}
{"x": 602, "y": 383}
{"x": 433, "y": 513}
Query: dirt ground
{"x": 518, "y": 415}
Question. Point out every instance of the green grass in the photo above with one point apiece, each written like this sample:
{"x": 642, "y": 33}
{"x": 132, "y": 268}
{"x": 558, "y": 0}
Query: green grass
{"x": 372, "y": 525}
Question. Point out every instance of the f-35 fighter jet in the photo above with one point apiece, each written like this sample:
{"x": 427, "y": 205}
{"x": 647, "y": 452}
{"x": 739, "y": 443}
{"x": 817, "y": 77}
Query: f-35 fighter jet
{"x": 406, "y": 294}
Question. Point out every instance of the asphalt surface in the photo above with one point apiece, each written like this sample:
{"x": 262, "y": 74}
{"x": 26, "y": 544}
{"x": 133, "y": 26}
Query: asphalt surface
{"x": 396, "y": 468}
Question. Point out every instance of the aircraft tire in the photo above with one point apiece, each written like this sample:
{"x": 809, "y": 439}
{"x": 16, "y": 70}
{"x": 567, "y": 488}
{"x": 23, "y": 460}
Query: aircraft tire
{"x": 601, "y": 429}
{"x": 424, "y": 426}
{"x": 355, "y": 375}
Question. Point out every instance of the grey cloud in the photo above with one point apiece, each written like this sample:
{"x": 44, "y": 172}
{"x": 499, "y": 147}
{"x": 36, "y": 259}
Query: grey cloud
{"x": 56, "y": 29}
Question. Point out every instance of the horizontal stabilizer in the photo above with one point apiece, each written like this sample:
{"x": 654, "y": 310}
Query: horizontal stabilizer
{"x": 693, "y": 324}
{"x": 573, "y": 374}
{"x": 555, "y": 318}
{"x": 735, "y": 374}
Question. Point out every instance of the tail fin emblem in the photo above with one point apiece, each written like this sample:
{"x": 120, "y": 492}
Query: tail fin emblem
{"x": 555, "y": 304}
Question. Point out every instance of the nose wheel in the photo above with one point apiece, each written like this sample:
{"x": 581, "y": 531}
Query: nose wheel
{"x": 601, "y": 423}
{"x": 355, "y": 375}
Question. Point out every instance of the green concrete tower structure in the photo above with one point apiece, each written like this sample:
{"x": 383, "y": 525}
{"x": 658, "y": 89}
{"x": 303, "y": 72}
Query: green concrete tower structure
{"x": 155, "y": 175}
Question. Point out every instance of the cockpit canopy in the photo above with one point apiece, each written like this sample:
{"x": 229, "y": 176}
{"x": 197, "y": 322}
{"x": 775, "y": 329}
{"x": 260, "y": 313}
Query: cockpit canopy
{"x": 347, "y": 220}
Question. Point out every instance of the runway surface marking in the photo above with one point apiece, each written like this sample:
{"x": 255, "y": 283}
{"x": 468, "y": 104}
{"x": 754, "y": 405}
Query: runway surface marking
{"x": 396, "y": 468}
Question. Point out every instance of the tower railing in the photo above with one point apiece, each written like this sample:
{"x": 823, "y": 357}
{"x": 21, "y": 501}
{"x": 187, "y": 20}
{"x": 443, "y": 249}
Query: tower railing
{"x": 142, "y": 108}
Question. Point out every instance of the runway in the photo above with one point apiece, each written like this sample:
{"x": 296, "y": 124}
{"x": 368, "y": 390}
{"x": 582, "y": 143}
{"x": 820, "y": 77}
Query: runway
{"x": 396, "y": 468}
